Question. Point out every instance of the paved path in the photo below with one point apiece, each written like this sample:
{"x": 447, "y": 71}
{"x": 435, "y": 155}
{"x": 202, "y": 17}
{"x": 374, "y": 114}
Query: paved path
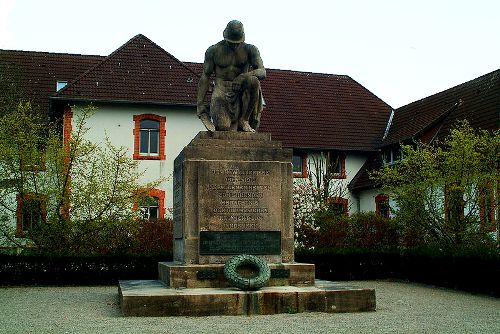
{"x": 401, "y": 308}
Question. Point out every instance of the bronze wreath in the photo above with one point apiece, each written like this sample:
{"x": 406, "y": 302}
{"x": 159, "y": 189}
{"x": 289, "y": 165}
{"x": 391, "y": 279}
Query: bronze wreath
{"x": 247, "y": 283}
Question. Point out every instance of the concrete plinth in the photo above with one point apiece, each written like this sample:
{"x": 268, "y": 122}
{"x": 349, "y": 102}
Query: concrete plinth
{"x": 153, "y": 298}
{"x": 177, "y": 276}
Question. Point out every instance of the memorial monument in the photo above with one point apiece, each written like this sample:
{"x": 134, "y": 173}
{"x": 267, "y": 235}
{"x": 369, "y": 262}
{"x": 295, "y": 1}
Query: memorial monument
{"x": 233, "y": 248}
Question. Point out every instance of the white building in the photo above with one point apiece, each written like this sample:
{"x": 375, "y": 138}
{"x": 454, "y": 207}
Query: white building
{"x": 146, "y": 101}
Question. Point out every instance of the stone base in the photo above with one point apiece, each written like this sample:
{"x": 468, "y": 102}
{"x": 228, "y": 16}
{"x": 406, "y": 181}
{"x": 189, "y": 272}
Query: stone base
{"x": 233, "y": 195}
{"x": 193, "y": 276}
{"x": 153, "y": 298}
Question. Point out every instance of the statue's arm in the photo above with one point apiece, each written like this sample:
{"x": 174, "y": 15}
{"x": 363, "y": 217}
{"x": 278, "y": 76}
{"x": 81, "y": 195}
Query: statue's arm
{"x": 204, "y": 83}
{"x": 256, "y": 62}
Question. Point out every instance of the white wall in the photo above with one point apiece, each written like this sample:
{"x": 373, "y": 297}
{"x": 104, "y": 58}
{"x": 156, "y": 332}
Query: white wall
{"x": 353, "y": 163}
{"x": 367, "y": 200}
{"x": 116, "y": 122}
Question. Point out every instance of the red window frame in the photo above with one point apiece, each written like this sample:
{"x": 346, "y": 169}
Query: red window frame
{"x": 379, "y": 200}
{"x": 342, "y": 174}
{"x": 158, "y": 193}
{"x": 487, "y": 207}
{"x": 137, "y": 130}
{"x": 302, "y": 174}
{"x": 342, "y": 201}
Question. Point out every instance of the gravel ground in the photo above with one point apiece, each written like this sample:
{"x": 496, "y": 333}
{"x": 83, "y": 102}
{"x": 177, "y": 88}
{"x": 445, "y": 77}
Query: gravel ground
{"x": 401, "y": 308}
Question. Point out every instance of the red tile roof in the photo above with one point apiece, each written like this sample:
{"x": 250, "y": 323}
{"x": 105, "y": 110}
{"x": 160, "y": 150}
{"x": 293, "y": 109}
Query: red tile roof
{"x": 362, "y": 180}
{"x": 322, "y": 111}
{"x": 303, "y": 110}
{"x": 138, "y": 71}
{"x": 313, "y": 110}
{"x": 477, "y": 100}
{"x": 38, "y": 72}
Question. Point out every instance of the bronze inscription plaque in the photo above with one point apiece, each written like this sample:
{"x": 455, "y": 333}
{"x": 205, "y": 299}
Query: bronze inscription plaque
{"x": 239, "y": 196}
{"x": 240, "y": 242}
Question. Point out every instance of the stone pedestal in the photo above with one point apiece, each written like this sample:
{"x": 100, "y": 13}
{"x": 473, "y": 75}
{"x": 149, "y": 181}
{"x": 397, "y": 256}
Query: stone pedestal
{"x": 233, "y": 195}
{"x": 193, "y": 276}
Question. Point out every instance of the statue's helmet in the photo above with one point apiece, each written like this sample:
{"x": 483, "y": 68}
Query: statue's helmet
{"x": 234, "y": 32}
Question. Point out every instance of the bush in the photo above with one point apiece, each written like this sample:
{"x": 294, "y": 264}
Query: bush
{"x": 361, "y": 230}
{"x": 155, "y": 237}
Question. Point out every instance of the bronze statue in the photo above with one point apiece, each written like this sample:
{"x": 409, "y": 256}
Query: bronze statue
{"x": 236, "y": 103}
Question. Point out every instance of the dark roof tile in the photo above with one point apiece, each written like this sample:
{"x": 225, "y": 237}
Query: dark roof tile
{"x": 38, "y": 72}
{"x": 362, "y": 180}
{"x": 477, "y": 100}
{"x": 314, "y": 110}
{"x": 138, "y": 71}
{"x": 303, "y": 110}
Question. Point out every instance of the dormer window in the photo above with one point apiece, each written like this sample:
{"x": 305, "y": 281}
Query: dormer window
{"x": 391, "y": 155}
{"x": 60, "y": 84}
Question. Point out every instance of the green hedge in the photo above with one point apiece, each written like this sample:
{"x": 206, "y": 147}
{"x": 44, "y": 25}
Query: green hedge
{"x": 98, "y": 270}
{"x": 470, "y": 270}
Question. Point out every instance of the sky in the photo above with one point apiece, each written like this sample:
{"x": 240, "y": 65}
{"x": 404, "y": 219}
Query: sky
{"x": 401, "y": 51}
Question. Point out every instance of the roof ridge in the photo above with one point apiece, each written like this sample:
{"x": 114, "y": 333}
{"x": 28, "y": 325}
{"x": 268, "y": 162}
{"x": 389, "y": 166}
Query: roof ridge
{"x": 308, "y": 72}
{"x": 72, "y": 83}
{"x": 136, "y": 37}
{"x": 372, "y": 93}
{"x": 481, "y": 77}
{"x": 171, "y": 55}
{"x": 285, "y": 70}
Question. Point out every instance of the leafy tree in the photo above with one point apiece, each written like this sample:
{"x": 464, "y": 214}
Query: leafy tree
{"x": 448, "y": 192}
{"x": 11, "y": 91}
{"x": 76, "y": 198}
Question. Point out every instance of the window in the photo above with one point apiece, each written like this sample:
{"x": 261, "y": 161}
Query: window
{"x": 335, "y": 165}
{"x": 32, "y": 157}
{"x": 60, "y": 84}
{"x": 152, "y": 206}
{"x": 338, "y": 205}
{"x": 299, "y": 165}
{"x": 382, "y": 205}
{"x": 149, "y": 207}
{"x": 391, "y": 155}
{"x": 31, "y": 212}
{"x": 149, "y": 137}
{"x": 487, "y": 207}
{"x": 454, "y": 204}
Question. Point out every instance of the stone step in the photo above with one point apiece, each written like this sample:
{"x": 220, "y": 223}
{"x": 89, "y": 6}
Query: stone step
{"x": 153, "y": 298}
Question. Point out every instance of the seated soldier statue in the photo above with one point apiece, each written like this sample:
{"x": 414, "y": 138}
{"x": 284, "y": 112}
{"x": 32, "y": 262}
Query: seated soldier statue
{"x": 236, "y": 103}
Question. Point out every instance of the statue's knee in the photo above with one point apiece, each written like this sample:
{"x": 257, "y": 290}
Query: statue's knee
{"x": 251, "y": 83}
